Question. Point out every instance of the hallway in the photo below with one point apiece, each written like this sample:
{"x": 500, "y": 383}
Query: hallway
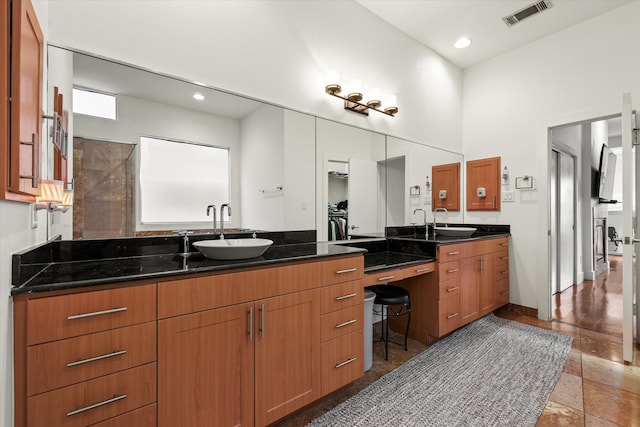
{"x": 594, "y": 304}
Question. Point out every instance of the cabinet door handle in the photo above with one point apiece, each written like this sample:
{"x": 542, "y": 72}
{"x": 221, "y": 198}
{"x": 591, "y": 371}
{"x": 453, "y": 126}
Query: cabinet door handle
{"x": 340, "y": 298}
{"x": 453, "y": 289}
{"x": 96, "y": 405}
{"x": 348, "y": 270}
{"x": 95, "y": 359}
{"x": 346, "y": 362}
{"x": 262, "y": 320}
{"x": 347, "y": 323}
{"x": 250, "y": 331}
{"x": 494, "y": 200}
{"x": 453, "y": 270}
{"x": 453, "y": 253}
{"x": 482, "y": 265}
{"x": 451, "y": 316}
{"x": 382, "y": 279}
{"x": 96, "y": 313}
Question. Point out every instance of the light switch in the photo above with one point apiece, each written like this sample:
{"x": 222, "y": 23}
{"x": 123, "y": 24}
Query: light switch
{"x": 508, "y": 196}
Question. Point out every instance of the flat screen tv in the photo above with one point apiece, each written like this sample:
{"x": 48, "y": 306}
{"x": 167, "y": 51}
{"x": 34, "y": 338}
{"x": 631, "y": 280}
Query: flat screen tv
{"x": 606, "y": 174}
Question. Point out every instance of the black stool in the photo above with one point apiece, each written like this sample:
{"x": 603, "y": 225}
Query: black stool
{"x": 387, "y": 296}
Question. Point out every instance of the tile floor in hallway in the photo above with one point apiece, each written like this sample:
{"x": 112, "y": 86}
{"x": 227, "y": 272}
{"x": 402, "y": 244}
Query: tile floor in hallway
{"x": 595, "y": 389}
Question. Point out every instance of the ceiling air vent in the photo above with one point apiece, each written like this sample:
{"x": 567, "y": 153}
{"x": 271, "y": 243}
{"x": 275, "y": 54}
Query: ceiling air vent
{"x": 528, "y": 11}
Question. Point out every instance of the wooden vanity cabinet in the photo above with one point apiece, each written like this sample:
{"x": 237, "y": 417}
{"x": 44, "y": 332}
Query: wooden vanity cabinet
{"x": 446, "y": 177}
{"x": 245, "y": 348}
{"x": 21, "y": 72}
{"x": 85, "y": 358}
{"x": 483, "y": 173}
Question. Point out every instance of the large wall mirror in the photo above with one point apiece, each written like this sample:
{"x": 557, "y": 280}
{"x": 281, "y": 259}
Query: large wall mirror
{"x": 285, "y": 170}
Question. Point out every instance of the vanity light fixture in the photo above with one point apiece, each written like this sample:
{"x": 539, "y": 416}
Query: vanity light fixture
{"x": 354, "y": 99}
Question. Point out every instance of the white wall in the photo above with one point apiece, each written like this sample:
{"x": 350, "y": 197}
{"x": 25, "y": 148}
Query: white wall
{"x": 510, "y": 102}
{"x": 262, "y": 136}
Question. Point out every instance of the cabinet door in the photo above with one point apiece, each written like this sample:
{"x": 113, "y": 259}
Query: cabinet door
{"x": 485, "y": 174}
{"x": 469, "y": 292}
{"x": 446, "y": 177}
{"x": 26, "y": 99}
{"x": 487, "y": 284}
{"x": 287, "y": 352}
{"x": 205, "y": 369}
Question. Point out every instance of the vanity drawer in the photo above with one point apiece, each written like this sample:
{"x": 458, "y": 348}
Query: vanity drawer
{"x": 487, "y": 246}
{"x": 448, "y": 288}
{"x": 66, "y": 316}
{"x": 341, "y": 322}
{"x": 449, "y": 317}
{"x": 143, "y": 417}
{"x": 61, "y": 363}
{"x": 386, "y": 276}
{"x": 339, "y": 296}
{"x": 416, "y": 270}
{"x": 453, "y": 252}
{"x": 342, "y": 270}
{"x": 502, "y": 287}
{"x": 92, "y": 401}
{"x": 342, "y": 361}
{"x": 448, "y": 270}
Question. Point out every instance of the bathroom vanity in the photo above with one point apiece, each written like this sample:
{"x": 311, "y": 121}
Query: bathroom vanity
{"x": 130, "y": 332}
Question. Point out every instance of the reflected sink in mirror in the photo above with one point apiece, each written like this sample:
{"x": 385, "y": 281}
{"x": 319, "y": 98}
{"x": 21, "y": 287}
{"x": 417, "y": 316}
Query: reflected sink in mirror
{"x": 230, "y": 249}
{"x": 455, "y": 231}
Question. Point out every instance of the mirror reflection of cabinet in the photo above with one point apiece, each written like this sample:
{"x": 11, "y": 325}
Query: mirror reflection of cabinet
{"x": 446, "y": 186}
{"x": 483, "y": 184}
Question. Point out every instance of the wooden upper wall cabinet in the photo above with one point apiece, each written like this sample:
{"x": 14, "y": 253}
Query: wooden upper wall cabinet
{"x": 483, "y": 184}
{"x": 446, "y": 178}
{"x": 21, "y": 49}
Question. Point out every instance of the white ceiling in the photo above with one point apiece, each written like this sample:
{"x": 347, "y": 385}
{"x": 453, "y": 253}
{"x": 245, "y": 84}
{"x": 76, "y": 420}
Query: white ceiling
{"x": 437, "y": 24}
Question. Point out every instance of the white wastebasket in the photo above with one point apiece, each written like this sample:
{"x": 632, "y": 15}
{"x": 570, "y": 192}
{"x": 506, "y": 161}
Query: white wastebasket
{"x": 369, "y": 297}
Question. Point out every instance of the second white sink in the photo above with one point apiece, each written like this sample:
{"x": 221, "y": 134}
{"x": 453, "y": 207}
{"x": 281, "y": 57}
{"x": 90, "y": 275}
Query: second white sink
{"x": 229, "y": 249}
{"x": 455, "y": 231}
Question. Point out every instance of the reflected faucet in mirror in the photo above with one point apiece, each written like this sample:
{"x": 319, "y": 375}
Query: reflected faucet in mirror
{"x": 222, "y": 218}
{"x": 424, "y": 219}
{"x": 209, "y": 208}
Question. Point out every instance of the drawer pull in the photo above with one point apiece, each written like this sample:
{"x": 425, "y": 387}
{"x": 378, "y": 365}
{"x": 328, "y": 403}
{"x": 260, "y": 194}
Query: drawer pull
{"x": 95, "y": 359}
{"x": 346, "y": 296}
{"x": 453, "y": 253}
{"x": 451, "y": 316}
{"x": 505, "y": 257}
{"x": 347, "y": 323}
{"x": 422, "y": 270}
{"x": 96, "y": 405}
{"x": 97, "y": 313}
{"x": 348, "y": 270}
{"x": 504, "y": 244}
{"x": 504, "y": 292}
{"x": 453, "y": 289}
{"x": 346, "y": 362}
{"x": 382, "y": 279}
{"x": 505, "y": 272}
{"x": 453, "y": 270}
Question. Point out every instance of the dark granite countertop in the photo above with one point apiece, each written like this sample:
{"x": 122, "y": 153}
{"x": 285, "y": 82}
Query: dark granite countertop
{"x": 417, "y": 233}
{"x": 62, "y": 272}
{"x": 384, "y": 254}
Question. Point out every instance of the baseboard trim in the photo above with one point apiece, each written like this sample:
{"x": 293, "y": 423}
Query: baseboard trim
{"x": 520, "y": 309}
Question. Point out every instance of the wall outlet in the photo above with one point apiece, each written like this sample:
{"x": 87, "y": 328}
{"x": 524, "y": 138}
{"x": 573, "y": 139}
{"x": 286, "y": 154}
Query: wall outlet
{"x": 33, "y": 214}
{"x": 508, "y": 196}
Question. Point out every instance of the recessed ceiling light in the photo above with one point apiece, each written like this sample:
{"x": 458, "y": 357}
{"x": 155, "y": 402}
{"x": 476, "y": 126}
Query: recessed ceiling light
{"x": 198, "y": 96}
{"x": 462, "y": 42}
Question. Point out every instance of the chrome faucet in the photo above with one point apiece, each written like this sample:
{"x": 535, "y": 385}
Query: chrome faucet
{"x": 185, "y": 242}
{"x": 434, "y": 217}
{"x": 222, "y": 218}
{"x": 209, "y": 208}
{"x": 424, "y": 220}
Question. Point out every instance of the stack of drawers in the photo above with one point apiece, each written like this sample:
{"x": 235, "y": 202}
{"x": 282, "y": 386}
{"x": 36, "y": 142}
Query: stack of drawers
{"x": 450, "y": 259}
{"x": 341, "y": 324}
{"x": 91, "y": 359}
{"x": 502, "y": 273}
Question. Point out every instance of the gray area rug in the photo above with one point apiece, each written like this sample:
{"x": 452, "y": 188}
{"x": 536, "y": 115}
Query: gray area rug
{"x": 492, "y": 372}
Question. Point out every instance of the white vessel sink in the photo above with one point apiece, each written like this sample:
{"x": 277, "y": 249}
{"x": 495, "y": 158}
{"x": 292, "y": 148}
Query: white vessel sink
{"x": 455, "y": 231}
{"x": 233, "y": 248}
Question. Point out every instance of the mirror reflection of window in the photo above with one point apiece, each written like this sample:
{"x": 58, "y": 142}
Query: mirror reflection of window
{"x": 93, "y": 103}
{"x": 179, "y": 180}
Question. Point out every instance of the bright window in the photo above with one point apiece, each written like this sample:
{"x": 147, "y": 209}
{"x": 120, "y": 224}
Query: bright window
{"x": 179, "y": 180}
{"x": 94, "y": 104}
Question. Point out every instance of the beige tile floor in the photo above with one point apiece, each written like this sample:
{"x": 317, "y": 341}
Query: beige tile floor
{"x": 595, "y": 389}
